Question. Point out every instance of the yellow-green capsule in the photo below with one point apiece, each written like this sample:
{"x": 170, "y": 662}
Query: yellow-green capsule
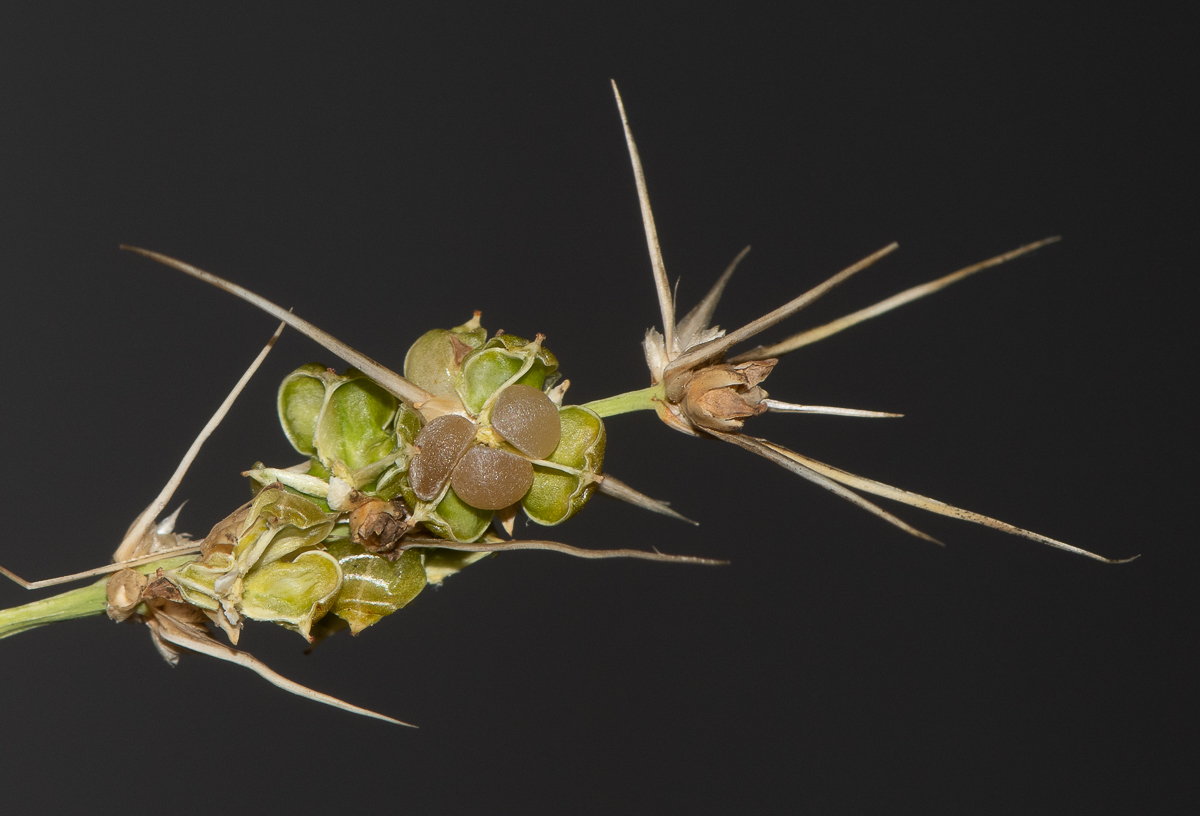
{"x": 293, "y": 593}
{"x": 356, "y": 422}
{"x": 500, "y": 359}
{"x": 452, "y": 518}
{"x": 433, "y": 361}
{"x": 333, "y": 417}
{"x": 559, "y": 493}
{"x": 301, "y": 396}
{"x": 280, "y": 522}
{"x": 373, "y": 586}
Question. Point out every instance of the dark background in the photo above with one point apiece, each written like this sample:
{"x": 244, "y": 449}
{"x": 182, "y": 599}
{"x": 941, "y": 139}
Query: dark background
{"x": 387, "y": 171}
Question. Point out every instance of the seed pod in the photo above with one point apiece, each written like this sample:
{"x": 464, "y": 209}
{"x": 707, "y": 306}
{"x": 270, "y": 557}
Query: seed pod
{"x": 407, "y": 427}
{"x": 337, "y": 418}
{"x": 280, "y": 522}
{"x": 442, "y": 443}
{"x": 290, "y": 540}
{"x": 499, "y": 360}
{"x": 527, "y": 420}
{"x": 556, "y": 494}
{"x": 373, "y": 586}
{"x": 301, "y": 396}
{"x": 292, "y": 593}
{"x": 355, "y": 426}
{"x": 197, "y": 580}
{"x": 491, "y": 479}
{"x": 393, "y": 482}
{"x": 434, "y": 360}
{"x": 503, "y": 377}
{"x": 453, "y": 518}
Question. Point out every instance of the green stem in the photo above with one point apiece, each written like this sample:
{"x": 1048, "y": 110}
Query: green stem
{"x": 643, "y": 400}
{"x": 77, "y": 603}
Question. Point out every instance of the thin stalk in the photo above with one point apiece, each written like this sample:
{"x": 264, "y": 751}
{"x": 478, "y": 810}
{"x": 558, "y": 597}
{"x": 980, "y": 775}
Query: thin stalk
{"x": 401, "y": 388}
{"x": 76, "y": 603}
{"x": 628, "y": 402}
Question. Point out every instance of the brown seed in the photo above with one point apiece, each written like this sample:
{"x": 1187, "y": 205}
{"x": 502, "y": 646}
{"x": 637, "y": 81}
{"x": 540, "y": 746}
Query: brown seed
{"x": 442, "y": 442}
{"x": 490, "y": 479}
{"x": 528, "y": 420}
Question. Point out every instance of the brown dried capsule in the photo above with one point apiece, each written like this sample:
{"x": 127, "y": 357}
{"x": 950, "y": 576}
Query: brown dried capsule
{"x": 491, "y": 479}
{"x": 442, "y": 443}
{"x": 721, "y": 397}
{"x": 378, "y": 525}
{"x": 124, "y": 590}
{"x": 528, "y": 420}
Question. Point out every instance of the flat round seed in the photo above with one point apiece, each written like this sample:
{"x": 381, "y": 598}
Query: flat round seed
{"x": 528, "y": 420}
{"x": 491, "y": 479}
{"x": 442, "y": 442}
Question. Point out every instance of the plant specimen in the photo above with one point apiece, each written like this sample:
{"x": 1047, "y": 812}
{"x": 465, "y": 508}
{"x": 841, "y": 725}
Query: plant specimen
{"x": 408, "y": 479}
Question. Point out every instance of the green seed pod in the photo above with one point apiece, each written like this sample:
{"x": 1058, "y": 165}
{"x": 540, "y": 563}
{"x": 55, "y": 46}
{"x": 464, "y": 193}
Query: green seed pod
{"x": 408, "y": 424}
{"x": 463, "y": 522}
{"x": 408, "y": 428}
{"x": 393, "y": 482}
{"x": 433, "y": 361}
{"x": 343, "y": 418}
{"x": 274, "y": 510}
{"x": 195, "y": 580}
{"x": 469, "y": 470}
{"x": 301, "y": 396}
{"x": 355, "y": 426}
{"x": 452, "y": 519}
{"x": 291, "y": 539}
{"x": 372, "y": 586}
{"x": 293, "y": 593}
{"x": 556, "y": 495}
{"x": 500, "y": 359}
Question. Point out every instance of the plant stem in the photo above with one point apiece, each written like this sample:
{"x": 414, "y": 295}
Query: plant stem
{"x": 629, "y": 401}
{"x": 77, "y": 603}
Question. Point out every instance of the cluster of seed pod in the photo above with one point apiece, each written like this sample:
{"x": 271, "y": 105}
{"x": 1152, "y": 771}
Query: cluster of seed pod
{"x": 328, "y": 537}
{"x": 494, "y": 436}
{"x": 506, "y": 437}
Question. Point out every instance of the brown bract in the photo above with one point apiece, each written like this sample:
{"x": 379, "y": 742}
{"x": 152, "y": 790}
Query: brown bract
{"x": 223, "y": 536}
{"x": 706, "y": 393}
{"x": 161, "y": 587}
